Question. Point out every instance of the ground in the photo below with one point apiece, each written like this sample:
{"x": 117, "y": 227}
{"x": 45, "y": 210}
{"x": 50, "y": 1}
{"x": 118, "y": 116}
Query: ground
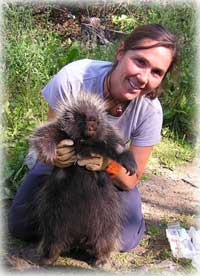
{"x": 167, "y": 196}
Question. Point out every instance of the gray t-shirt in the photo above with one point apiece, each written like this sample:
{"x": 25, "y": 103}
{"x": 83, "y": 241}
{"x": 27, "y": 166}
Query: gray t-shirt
{"x": 141, "y": 122}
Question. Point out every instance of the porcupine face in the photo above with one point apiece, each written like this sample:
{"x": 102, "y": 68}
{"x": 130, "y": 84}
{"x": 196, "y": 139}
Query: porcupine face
{"x": 83, "y": 117}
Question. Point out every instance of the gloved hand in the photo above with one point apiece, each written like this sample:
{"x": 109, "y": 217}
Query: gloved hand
{"x": 95, "y": 162}
{"x": 65, "y": 154}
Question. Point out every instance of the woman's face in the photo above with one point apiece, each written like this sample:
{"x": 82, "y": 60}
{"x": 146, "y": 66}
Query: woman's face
{"x": 139, "y": 71}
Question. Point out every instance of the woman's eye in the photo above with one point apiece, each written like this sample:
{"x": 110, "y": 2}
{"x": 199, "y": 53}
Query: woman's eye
{"x": 157, "y": 72}
{"x": 140, "y": 61}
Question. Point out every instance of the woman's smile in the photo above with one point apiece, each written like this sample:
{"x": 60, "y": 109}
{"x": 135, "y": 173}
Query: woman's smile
{"x": 132, "y": 84}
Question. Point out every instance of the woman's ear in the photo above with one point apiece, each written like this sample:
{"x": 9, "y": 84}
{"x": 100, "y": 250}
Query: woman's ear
{"x": 120, "y": 51}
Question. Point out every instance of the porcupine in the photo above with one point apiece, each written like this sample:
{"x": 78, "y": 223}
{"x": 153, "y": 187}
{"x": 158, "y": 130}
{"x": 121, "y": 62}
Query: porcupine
{"x": 76, "y": 206}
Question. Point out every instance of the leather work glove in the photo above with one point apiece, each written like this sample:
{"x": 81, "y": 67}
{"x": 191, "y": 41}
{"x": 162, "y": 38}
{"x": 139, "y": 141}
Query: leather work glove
{"x": 95, "y": 162}
{"x": 65, "y": 154}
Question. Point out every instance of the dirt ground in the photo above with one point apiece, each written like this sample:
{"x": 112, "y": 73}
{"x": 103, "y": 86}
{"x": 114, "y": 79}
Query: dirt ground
{"x": 169, "y": 196}
{"x": 172, "y": 193}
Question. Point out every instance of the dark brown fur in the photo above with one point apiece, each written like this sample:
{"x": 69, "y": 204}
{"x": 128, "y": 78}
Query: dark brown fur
{"x": 75, "y": 206}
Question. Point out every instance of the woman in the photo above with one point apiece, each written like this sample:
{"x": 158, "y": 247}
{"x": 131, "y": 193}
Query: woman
{"x": 142, "y": 61}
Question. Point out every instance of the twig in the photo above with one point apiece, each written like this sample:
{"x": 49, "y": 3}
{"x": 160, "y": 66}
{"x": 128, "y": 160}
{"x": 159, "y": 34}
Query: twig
{"x": 190, "y": 183}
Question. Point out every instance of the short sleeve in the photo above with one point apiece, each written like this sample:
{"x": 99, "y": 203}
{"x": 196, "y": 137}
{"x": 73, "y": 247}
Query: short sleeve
{"x": 85, "y": 74}
{"x": 57, "y": 88}
{"x": 148, "y": 132}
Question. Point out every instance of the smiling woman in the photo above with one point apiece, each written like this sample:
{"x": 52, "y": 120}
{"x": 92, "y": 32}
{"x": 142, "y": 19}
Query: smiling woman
{"x": 139, "y": 71}
{"x": 130, "y": 87}
{"x": 149, "y": 46}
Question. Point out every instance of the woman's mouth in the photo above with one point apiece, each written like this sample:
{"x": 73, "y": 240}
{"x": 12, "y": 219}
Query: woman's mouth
{"x": 133, "y": 86}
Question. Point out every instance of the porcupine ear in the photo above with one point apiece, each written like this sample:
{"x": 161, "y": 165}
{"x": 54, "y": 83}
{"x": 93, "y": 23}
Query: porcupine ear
{"x": 43, "y": 141}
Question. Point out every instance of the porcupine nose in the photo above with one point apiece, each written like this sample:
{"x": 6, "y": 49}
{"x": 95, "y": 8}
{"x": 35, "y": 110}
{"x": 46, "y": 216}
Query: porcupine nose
{"x": 92, "y": 126}
{"x": 92, "y": 129}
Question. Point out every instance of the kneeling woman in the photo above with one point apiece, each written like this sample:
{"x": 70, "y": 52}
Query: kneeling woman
{"x": 130, "y": 83}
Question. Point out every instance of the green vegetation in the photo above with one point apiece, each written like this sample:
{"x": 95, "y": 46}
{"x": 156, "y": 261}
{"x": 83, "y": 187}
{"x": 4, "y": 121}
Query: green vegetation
{"x": 33, "y": 53}
{"x": 171, "y": 152}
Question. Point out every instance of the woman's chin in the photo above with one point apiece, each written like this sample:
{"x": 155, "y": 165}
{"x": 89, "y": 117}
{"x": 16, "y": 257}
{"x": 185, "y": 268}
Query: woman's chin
{"x": 131, "y": 96}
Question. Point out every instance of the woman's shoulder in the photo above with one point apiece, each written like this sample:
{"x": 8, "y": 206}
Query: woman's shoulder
{"x": 87, "y": 67}
{"x": 147, "y": 105}
{"x": 145, "y": 121}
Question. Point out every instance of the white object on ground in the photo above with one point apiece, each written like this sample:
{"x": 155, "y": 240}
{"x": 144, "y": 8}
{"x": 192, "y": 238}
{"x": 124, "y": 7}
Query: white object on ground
{"x": 184, "y": 244}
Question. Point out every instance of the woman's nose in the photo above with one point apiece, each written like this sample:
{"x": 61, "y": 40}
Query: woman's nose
{"x": 143, "y": 77}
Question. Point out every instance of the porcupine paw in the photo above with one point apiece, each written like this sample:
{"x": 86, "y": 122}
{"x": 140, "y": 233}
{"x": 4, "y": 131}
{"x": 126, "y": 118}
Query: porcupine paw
{"x": 127, "y": 160}
{"x": 47, "y": 261}
{"x": 49, "y": 257}
{"x": 103, "y": 263}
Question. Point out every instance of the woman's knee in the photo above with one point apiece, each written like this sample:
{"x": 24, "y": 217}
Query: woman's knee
{"x": 15, "y": 226}
{"x": 20, "y": 224}
{"x": 130, "y": 238}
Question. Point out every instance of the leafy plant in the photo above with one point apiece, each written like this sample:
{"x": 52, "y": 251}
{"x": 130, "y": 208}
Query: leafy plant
{"x": 32, "y": 56}
{"x": 124, "y": 22}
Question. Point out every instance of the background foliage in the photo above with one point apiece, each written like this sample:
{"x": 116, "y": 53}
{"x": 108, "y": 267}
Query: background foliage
{"x": 33, "y": 53}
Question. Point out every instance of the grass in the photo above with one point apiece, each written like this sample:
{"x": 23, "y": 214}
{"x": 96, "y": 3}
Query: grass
{"x": 171, "y": 152}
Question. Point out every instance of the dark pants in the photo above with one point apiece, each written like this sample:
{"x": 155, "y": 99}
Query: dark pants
{"x": 20, "y": 227}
